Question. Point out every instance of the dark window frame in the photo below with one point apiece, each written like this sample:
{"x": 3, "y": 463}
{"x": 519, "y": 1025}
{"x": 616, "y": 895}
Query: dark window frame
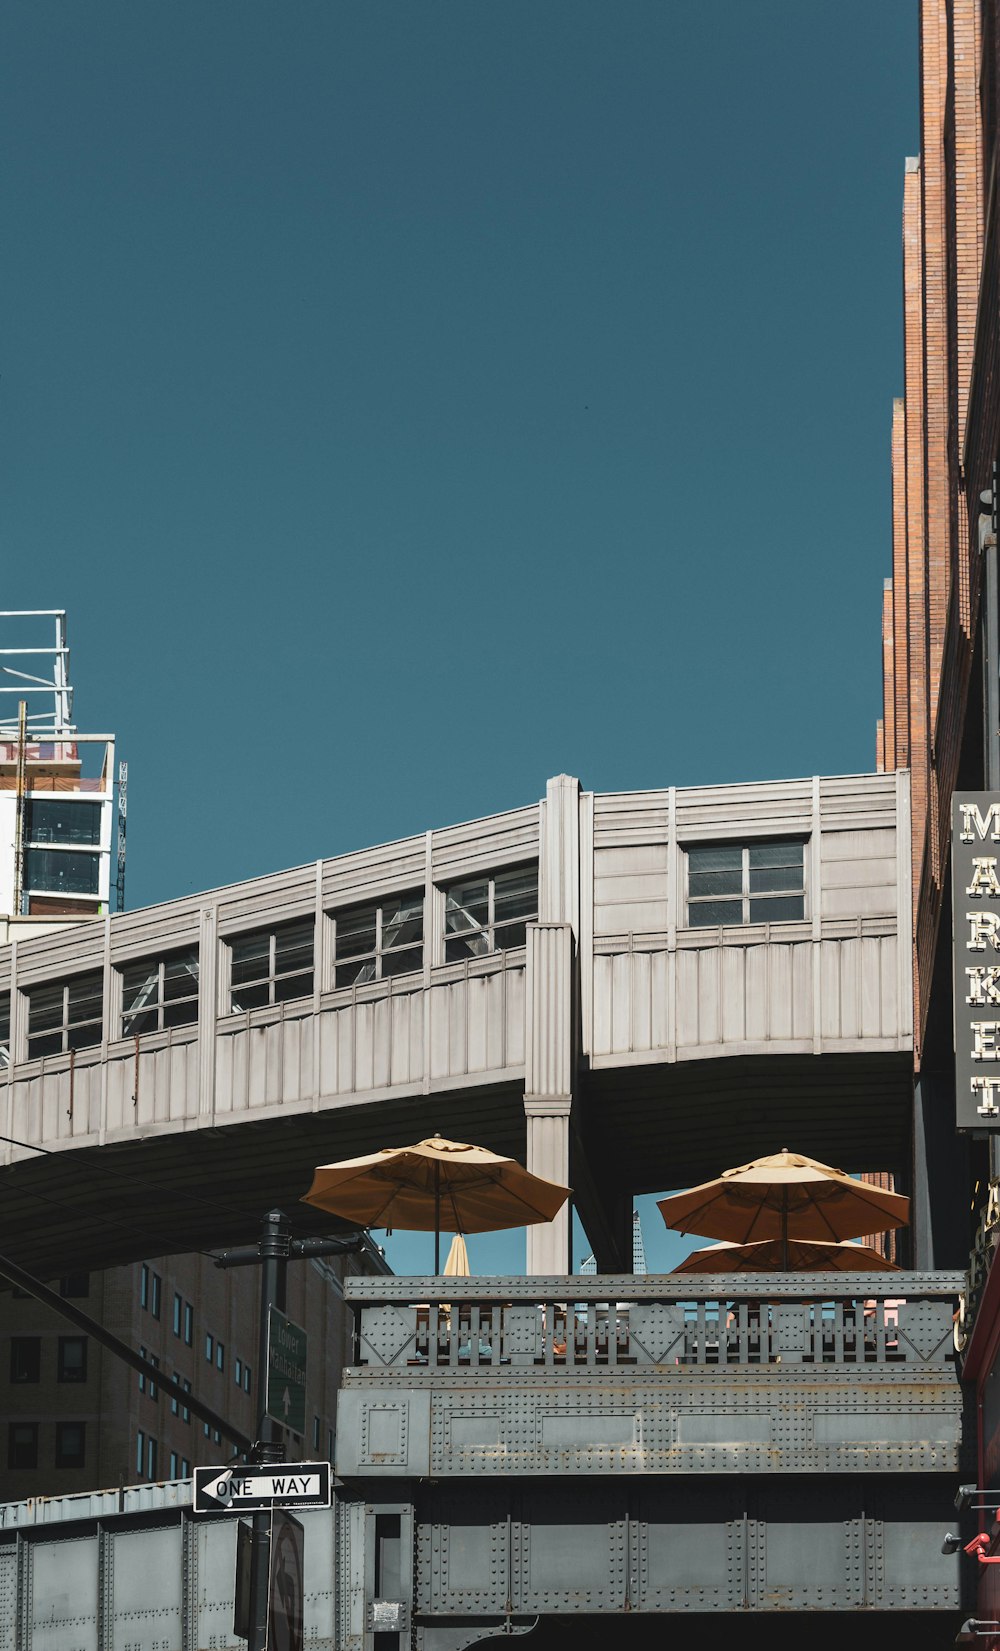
{"x": 154, "y": 1007}
{"x": 20, "y": 1346}
{"x": 265, "y": 982}
{"x": 65, "y": 1457}
{"x": 476, "y": 923}
{"x": 65, "y": 1372}
{"x": 396, "y": 926}
{"x": 69, "y": 1029}
{"x": 18, "y": 1450}
{"x": 736, "y": 895}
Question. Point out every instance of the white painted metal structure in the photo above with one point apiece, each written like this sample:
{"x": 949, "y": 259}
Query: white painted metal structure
{"x": 610, "y": 1027}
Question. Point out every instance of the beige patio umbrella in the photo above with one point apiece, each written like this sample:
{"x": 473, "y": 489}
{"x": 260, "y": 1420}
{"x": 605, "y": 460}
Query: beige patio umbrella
{"x": 805, "y": 1255}
{"x": 784, "y": 1196}
{"x": 457, "y": 1260}
{"x": 435, "y": 1182}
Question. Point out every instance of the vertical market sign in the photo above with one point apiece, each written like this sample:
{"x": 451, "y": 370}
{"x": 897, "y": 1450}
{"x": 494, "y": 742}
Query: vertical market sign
{"x": 975, "y": 850}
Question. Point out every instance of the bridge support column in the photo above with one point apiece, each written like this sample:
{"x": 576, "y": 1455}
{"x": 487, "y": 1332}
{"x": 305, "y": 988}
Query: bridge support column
{"x": 548, "y": 1155}
{"x": 548, "y": 1066}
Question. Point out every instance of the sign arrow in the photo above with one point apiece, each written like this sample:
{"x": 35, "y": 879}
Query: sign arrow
{"x": 286, "y": 1402}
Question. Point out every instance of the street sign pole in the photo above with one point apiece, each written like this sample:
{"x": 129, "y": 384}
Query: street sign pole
{"x": 274, "y": 1251}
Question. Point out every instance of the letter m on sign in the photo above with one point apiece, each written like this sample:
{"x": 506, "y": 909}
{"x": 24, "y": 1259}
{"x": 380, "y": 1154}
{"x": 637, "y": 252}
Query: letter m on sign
{"x": 973, "y": 821}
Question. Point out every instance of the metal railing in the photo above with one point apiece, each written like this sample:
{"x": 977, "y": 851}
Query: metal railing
{"x": 580, "y": 1323}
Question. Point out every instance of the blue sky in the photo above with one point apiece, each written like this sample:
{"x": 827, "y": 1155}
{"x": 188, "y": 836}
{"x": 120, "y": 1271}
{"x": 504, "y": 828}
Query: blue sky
{"x": 412, "y": 401}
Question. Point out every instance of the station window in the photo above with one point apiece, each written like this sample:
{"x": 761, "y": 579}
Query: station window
{"x": 745, "y": 883}
{"x": 71, "y": 1444}
{"x": 25, "y": 1358}
{"x": 67, "y": 1016}
{"x": 374, "y": 942}
{"x": 22, "y": 1445}
{"x": 160, "y": 992}
{"x": 489, "y": 914}
{"x": 271, "y": 965}
{"x": 72, "y": 1366}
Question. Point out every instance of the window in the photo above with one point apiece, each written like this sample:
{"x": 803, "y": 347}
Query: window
{"x": 144, "y": 1286}
{"x": 153, "y": 1390}
{"x": 247, "y": 1378}
{"x": 75, "y": 1286}
{"x": 71, "y": 1444}
{"x": 174, "y": 1465}
{"x": 745, "y": 883}
{"x": 489, "y": 914}
{"x": 209, "y": 1348}
{"x": 220, "y": 1356}
{"x": 272, "y": 965}
{"x": 178, "y": 1304}
{"x": 374, "y": 942}
{"x": 25, "y": 1358}
{"x": 160, "y": 993}
{"x": 140, "y": 1452}
{"x": 316, "y": 1431}
{"x": 22, "y": 1445}
{"x": 155, "y": 1293}
{"x": 63, "y": 822}
{"x": 185, "y": 1468}
{"x": 72, "y": 1365}
{"x": 152, "y": 1453}
{"x": 64, "y": 1017}
{"x": 61, "y": 871}
{"x": 189, "y": 1324}
{"x": 238, "y": 1372}
{"x": 176, "y": 1408}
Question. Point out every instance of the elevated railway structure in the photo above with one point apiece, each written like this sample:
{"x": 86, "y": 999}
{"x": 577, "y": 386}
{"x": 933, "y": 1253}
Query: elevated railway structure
{"x": 627, "y": 990}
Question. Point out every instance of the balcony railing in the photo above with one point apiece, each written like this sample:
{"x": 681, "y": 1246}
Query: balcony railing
{"x": 497, "y": 1325}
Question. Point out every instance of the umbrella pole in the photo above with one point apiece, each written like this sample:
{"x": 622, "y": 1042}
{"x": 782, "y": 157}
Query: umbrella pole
{"x": 784, "y": 1229}
{"x": 437, "y": 1219}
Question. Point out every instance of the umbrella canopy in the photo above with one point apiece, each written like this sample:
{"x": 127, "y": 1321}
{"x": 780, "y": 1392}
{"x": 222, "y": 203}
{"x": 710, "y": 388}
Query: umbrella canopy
{"x": 804, "y": 1256}
{"x": 784, "y": 1196}
{"x": 457, "y": 1261}
{"x": 435, "y": 1183}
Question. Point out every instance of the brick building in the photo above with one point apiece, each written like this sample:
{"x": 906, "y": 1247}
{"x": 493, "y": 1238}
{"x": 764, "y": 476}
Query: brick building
{"x": 945, "y": 433}
{"x": 76, "y": 1417}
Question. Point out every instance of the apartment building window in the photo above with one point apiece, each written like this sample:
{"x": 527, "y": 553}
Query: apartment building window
{"x": 178, "y": 1306}
{"x": 489, "y": 914}
{"x": 155, "y": 1294}
{"x": 238, "y": 1372}
{"x": 247, "y": 1378}
{"x": 25, "y": 1359}
{"x": 144, "y": 1286}
{"x": 189, "y": 1324}
{"x": 152, "y": 1458}
{"x": 174, "y": 1464}
{"x": 374, "y": 942}
{"x": 71, "y": 1444}
{"x": 62, "y": 852}
{"x": 72, "y": 1364}
{"x": 147, "y": 1383}
{"x": 745, "y": 883}
{"x": 22, "y": 1445}
{"x": 140, "y": 1452}
{"x": 209, "y": 1347}
{"x": 220, "y": 1356}
{"x": 176, "y": 1408}
{"x": 160, "y": 992}
{"x": 64, "y": 824}
{"x": 65, "y": 1016}
{"x": 75, "y": 1286}
{"x": 271, "y": 965}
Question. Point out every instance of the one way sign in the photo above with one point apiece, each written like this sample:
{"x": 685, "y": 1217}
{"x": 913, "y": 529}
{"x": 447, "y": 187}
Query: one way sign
{"x": 246, "y": 1490}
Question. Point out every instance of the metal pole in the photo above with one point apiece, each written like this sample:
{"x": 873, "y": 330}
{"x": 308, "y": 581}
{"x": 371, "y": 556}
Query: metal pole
{"x": 274, "y": 1250}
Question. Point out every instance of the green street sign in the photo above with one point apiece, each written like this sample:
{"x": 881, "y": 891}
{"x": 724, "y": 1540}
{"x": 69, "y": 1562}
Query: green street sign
{"x": 285, "y": 1393}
